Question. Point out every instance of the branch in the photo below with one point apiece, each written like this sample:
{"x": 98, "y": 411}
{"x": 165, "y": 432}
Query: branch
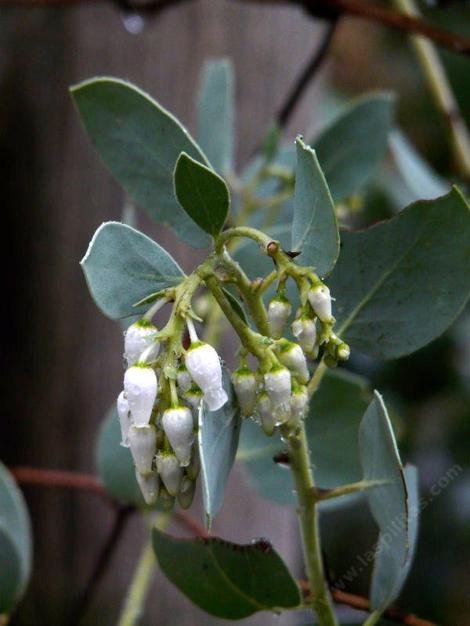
{"x": 362, "y": 604}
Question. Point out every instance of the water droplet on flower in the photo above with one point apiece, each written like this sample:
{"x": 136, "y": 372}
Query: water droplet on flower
{"x": 133, "y": 23}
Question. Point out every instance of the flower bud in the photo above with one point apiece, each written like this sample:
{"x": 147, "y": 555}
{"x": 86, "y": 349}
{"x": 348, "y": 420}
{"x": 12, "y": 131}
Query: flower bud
{"x": 183, "y": 379}
{"x": 265, "y": 413}
{"x": 186, "y": 494}
{"x": 204, "y": 366}
{"x": 140, "y": 385}
{"x": 292, "y": 356}
{"x": 305, "y": 331}
{"x": 149, "y": 485}
{"x": 165, "y": 500}
{"x": 279, "y": 310}
{"x": 139, "y": 337}
{"x": 142, "y": 440}
{"x": 178, "y": 426}
{"x": 298, "y": 405}
{"x": 193, "y": 397}
{"x": 320, "y": 300}
{"x": 124, "y": 418}
{"x": 277, "y": 383}
{"x": 194, "y": 467}
{"x": 343, "y": 352}
{"x": 170, "y": 472}
{"x": 244, "y": 383}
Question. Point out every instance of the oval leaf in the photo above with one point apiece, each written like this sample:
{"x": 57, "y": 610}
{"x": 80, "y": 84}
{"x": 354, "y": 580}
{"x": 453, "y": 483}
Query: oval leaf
{"x": 226, "y": 579}
{"x": 390, "y": 572}
{"x": 140, "y": 142}
{"x": 332, "y": 431}
{"x": 218, "y": 442}
{"x": 122, "y": 266}
{"x": 215, "y": 114}
{"x": 15, "y": 538}
{"x": 114, "y": 463}
{"x": 353, "y": 145}
{"x": 202, "y": 193}
{"x": 401, "y": 283}
{"x": 314, "y": 228}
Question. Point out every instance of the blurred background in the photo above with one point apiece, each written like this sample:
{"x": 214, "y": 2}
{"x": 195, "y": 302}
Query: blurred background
{"x": 61, "y": 359}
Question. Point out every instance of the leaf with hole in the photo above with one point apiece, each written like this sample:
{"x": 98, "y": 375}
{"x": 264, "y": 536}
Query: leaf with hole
{"x": 215, "y": 114}
{"x": 225, "y": 579}
{"x": 352, "y": 146}
{"x": 140, "y": 142}
{"x": 202, "y": 193}
{"x": 122, "y": 266}
{"x": 401, "y": 283}
{"x": 218, "y": 442}
{"x": 314, "y": 228}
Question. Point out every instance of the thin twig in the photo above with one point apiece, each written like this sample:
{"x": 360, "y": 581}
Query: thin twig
{"x": 362, "y": 604}
{"x": 59, "y": 478}
{"x": 102, "y": 563}
{"x": 307, "y": 75}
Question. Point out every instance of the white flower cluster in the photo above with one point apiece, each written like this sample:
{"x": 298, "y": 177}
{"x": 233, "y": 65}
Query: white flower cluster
{"x": 161, "y": 432}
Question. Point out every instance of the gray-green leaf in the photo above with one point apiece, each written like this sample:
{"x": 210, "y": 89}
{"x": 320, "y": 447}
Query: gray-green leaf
{"x": 122, "y": 266}
{"x": 218, "y": 442}
{"x": 202, "y": 193}
{"x": 140, "y": 142}
{"x": 215, "y": 119}
{"x": 401, "y": 283}
{"x": 332, "y": 430}
{"x": 226, "y": 579}
{"x": 314, "y": 229}
{"x": 353, "y": 145}
{"x": 390, "y": 571}
{"x": 15, "y": 542}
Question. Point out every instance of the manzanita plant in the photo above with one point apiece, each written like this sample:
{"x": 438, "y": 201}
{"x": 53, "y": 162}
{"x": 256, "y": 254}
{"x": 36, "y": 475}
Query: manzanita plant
{"x": 301, "y": 295}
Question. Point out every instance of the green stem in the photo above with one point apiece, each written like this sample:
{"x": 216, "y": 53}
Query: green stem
{"x": 317, "y": 378}
{"x": 441, "y": 92}
{"x": 344, "y": 490}
{"x": 309, "y": 524}
{"x": 243, "y": 231}
{"x": 373, "y": 618}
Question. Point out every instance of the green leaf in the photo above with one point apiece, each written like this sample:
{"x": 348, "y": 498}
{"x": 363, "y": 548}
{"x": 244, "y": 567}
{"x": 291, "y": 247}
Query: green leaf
{"x": 218, "y": 442}
{"x": 202, "y": 194}
{"x": 420, "y": 179}
{"x": 114, "y": 463}
{"x": 215, "y": 119}
{"x": 236, "y": 306}
{"x": 390, "y": 571}
{"x": 353, "y": 145}
{"x": 401, "y": 283}
{"x": 314, "y": 229}
{"x": 332, "y": 431}
{"x": 15, "y": 542}
{"x": 226, "y": 579}
{"x": 388, "y": 502}
{"x": 10, "y": 573}
{"x": 122, "y": 266}
{"x": 139, "y": 141}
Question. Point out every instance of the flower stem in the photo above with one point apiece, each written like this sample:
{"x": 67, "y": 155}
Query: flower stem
{"x": 309, "y": 524}
{"x": 441, "y": 92}
{"x": 138, "y": 589}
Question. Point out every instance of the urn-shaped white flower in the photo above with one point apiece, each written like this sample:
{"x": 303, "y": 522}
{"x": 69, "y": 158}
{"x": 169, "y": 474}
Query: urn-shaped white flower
{"x": 193, "y": 397}
{"x": 279, "y": 310}
{"x": 265, "y": 413}
{"x": 244, "y": 384}
{"x": 320, "y": 299}
{"x": 140, "y": 385}
{"x": 170, "y": 472}
{"x": 149, "y": 486}
{"x": 124, "y": 418}
{"x": 183, "y": 379}
{"x": 204, "y": 366}
{"x": 178, "y": 426}
{"x": 143, "y": 440}
{"x": 186, "y": 494}
{"x": 298, "y": 405}
{"x": 277, "y": 384}
{"x": 291, "y": 355}
{"x": 305, "y": 331}
{"x": 139, "y": 338}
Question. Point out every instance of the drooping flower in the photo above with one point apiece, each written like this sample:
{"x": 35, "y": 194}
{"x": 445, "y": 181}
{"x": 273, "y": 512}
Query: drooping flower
{"x": 279, "y": 310}
{"x": 244, "y": 384}
{"x": 186, "y": 493}
{"x": 124, "y": 418}
{"x": 139, "y": 337}
{"x": 143, "y": 441}
{"x": 265, "y": 413}
{"x": 140, "y": 385}
{"x": 305, "y": 331}
{"x": 291, "y": 355}
{"x": 320, "y": 300}
{"x": 178, "y": 426}
{"x": 298, "y": 405}
{"x": 149, "y": 486}
{"x": 204, "y": 366}
{"x": 277, "y": 384}
{"x": 170, "y": 471}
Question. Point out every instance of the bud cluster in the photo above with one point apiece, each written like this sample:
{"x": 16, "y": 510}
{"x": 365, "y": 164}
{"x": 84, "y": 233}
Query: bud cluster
{"x": 158, "y": 411}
